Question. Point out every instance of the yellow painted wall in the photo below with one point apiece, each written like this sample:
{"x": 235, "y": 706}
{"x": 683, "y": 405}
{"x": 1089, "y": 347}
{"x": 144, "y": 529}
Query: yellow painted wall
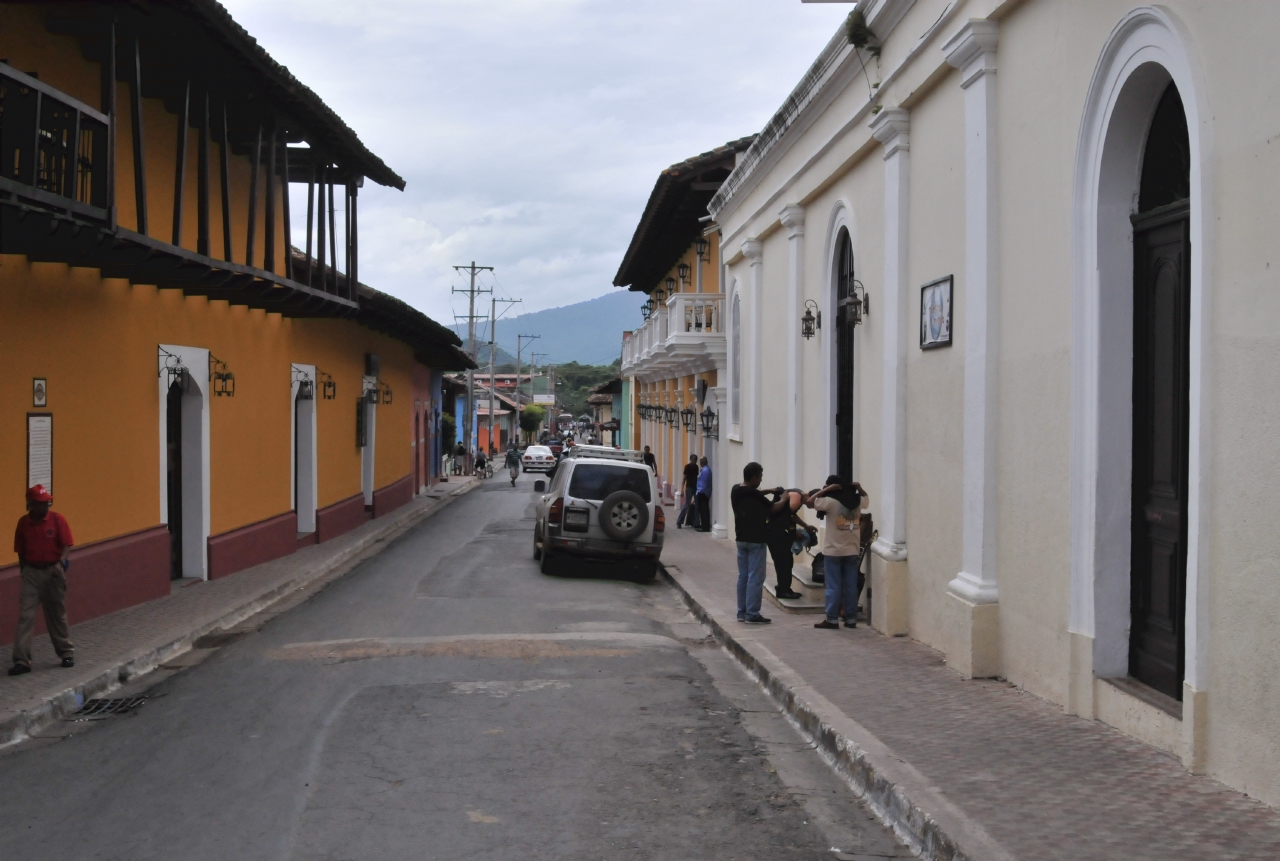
{"x": 95, "y": 341}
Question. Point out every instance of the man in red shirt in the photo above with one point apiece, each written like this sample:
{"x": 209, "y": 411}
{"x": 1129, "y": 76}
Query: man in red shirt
{"x": 43, "y": 543}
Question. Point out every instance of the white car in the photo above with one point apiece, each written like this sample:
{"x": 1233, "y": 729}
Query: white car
{"x": 600, "y": 508}
{"x": 537, "y": 458}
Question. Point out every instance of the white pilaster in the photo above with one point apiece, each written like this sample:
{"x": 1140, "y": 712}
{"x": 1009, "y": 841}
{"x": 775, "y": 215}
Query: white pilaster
{"x": 721, "y": 481}
{"x": 792, "y": 217}
{"x": 753, "y": 250}
{"x": 891, "y": 127}
{"x": 973, "y": 51}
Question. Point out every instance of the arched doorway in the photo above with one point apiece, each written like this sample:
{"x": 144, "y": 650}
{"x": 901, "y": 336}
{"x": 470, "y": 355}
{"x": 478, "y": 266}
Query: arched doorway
{"x": 1161, "y": 389}
{"x": 845, "y": 322}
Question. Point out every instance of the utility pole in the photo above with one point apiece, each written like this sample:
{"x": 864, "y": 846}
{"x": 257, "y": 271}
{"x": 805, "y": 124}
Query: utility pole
{"x": 493, "y": 348}
{"x": 519, "y": 341}
{"x": 533, "y": 369}
{"x": 468, "y": 427}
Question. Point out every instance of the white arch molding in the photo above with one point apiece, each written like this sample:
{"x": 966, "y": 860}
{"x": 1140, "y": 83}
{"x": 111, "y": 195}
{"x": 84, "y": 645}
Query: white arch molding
{"x": 841, "y": 218}
{"x": 1147, "y": 50}
{"x": 195, "y": 455}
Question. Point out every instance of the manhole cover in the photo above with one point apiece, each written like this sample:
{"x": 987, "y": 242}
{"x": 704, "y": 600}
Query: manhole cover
{"x": 108, "y": 707}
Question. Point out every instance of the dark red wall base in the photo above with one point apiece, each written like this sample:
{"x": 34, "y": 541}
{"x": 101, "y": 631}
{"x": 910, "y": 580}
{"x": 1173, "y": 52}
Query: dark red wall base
{"x": 340, "y": 517}
{"x": 104, "y": 577}
{"x": 252, "y": 545}
{"x": 393, "y": 496}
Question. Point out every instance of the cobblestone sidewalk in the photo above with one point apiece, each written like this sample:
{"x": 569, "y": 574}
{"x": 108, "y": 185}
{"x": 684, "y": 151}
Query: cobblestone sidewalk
{"x": 972, "y": 769}
{"x": 114, "y": 648}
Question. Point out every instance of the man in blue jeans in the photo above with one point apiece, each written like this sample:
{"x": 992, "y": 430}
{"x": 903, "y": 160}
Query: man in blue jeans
{"x": 841, "y": 503}
{"x": 751, "y": 511}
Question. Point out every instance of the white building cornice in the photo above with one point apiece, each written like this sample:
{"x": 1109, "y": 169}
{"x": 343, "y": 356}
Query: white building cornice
{"x": 972, "y": 50}
{"x": 892, "y": 127}
{"x": 792, "y": 218}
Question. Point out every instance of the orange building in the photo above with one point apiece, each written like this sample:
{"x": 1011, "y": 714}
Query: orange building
{"x": 199, "y": 397}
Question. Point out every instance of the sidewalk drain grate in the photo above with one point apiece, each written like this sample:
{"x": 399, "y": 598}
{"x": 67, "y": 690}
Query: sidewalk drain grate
{"x": 106, "y": 708}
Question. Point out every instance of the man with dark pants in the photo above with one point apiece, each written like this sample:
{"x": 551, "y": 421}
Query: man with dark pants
{"x": 43, "y": 543}
{"x": 650, "y": 461}
{"x": 704, "y": 496}
{"x": 751, "y": 511}
{"x": 782, "y": 533}
{"x": 689, "y": 512}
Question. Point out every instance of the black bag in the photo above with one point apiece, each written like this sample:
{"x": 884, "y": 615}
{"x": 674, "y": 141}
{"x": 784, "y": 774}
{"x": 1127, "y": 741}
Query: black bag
{"x": 819, "y": 568}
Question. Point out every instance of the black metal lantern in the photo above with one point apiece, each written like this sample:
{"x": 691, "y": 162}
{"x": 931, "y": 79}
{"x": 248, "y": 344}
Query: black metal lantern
{"x": 809, "y": 322}
{"x": 328, "y": 388}
{"x": 683, "y": 270}
{"x": 671, "y": 286}
{"x": 686, "y": 416}
{"x": 673, "y": 416}
{"x": 386, "y": 392}
{"x": 701, "y": 247}
{"x": 659, "y": 295}
{"x": 224, "y": 382}
{"x": 647, "y": 308}
{"x": 306, "y": 390}
{"x": 710, "y": 423}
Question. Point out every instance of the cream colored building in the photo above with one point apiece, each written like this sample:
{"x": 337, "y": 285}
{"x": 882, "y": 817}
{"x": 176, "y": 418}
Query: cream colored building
{"x": 1071, "y": 483}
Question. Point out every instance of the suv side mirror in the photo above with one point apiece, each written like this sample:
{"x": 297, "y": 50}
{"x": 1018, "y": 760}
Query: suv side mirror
{"x": 539, "y": 486}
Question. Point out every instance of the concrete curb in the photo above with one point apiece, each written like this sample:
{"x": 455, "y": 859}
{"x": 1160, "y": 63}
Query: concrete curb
{"x": 18, "y": 727}
{"x": 899, "y": 795}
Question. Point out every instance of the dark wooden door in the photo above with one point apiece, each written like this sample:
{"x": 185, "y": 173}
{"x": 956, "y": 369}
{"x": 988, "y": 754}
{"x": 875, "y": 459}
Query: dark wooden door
{"x": 1161, "y": 368}
{"x": 173, "y": 477}
{"x": 844, "y": 356}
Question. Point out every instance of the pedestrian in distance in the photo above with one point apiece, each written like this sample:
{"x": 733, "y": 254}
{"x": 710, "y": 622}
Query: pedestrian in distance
{"x": 513, "y": 463}
{"x": 752, "y": 509}
{"x": 782, "y": 534}
{"x": 459, "y": 458}
{"x": 650, "y": 461}
{"x": 43, "y": 543}
{"x": 841, "y": 502}
{"x": 704, "y": 496}
{"x": 689, "y": 512}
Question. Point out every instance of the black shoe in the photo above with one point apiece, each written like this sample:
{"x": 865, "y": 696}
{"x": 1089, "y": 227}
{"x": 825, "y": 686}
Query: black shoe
{"x": 68, "y": 662}
{"x": 830, "y": 626}
{"x": 757, "y": 620}
{"x": 788, "y": 594}
{"x": 19, "y": 669}
{"x": 849, "y": 624}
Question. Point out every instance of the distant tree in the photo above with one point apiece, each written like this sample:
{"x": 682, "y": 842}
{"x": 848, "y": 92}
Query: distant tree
{"x": 531, "y": 418}
{"x": 448, "y": 431}
{"x": 574, "y": 383}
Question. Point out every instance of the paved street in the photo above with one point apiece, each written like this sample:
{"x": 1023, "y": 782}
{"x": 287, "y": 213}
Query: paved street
{"x": 444, "y": 700}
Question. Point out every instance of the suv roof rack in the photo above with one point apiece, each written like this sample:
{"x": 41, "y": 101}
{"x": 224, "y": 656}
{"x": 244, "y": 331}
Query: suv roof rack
{"x": 604, "y": 452}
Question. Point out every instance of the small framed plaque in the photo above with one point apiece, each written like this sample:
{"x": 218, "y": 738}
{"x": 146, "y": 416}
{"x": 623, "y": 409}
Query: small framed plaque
{"x": 935, "y": 314}
{"x": 39, "y": 392}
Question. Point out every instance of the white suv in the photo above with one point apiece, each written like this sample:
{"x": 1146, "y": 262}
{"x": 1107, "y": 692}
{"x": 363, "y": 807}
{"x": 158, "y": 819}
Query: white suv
{"x": 600, "y": 508}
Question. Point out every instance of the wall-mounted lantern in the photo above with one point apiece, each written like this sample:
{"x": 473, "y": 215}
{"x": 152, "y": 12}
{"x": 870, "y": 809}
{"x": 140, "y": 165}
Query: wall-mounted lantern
{"x": 673, "y": 416}
{"x": 175, "y": 371}
{"x": 660, "y": 295}
{"x": 710, "y": 423}
{"x": 683, "y": 270}
{"x": 671, "y": 286}
{"x": 701, "y": 247}
{"x": 385, "y": 391}
{"x": 224, "y": 382}
{"x": 328, "y": 388}
{"x": 809, "y": 322}
{"x": 686, "y": 416}
{"x": 858, "y": 302}
{"x": 370, "y": 393}
{"x": 647, "y": 308}
{"x": 306, "y": 388}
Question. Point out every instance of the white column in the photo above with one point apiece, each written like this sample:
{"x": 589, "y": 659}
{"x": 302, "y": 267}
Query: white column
{"x": 792, "y": 217}
{"x": 721, "y": 480}
{"x": 753, "y": 249}
{"x": 973, "y": 51}
{"x": 891, "y": 127}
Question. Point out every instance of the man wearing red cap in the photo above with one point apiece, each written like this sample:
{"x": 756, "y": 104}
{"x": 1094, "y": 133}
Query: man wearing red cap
{"x": 43, "y": 543}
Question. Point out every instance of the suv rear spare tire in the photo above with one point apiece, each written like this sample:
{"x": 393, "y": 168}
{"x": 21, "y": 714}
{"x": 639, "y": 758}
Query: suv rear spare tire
{"x": 624, "y": 515}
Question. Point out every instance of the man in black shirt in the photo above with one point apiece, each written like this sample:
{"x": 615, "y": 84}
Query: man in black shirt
{"x": 782, "y": 533}
{"x": 751, "y": 511}
{"x": 690, "y": 510}
{"x": 650, "y": 461}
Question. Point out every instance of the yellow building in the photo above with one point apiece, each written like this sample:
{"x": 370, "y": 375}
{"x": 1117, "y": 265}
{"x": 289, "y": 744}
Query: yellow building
{"x": 673, "y": 362}
{"x": 199, "y": 397}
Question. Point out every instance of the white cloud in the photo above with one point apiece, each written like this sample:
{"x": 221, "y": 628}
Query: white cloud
{"x": 530, "y": 132}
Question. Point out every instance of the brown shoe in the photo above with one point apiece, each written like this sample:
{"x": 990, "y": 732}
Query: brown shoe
{"x": 19, "y": 669}
{"x": 830, "y": 626}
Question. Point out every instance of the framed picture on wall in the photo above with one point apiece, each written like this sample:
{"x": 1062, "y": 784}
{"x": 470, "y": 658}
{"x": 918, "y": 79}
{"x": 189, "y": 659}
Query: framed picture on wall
{"x": 39, "y": 392}
{"x": 935, "y": 314}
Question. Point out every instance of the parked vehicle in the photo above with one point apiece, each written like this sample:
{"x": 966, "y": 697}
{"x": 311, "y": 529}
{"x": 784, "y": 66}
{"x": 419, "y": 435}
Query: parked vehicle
{"x": 600, "y": 508}
{"x": 537, "y": 458}
{"x": 556, "y": 445}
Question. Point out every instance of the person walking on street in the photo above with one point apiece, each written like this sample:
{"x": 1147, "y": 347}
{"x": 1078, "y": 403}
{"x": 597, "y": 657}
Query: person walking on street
{"x": 689, "y": 511}
{"x": 704, "y": 496}
{"x": 459, "y": 459}
{"x": 43, "y": 544}
{"x": 841, "y": 502}
{"x": 650, "y": 461}
{"x": 782, "y": 534}
{"x": 752, "y": 509}
{"x": 513, "y": 464}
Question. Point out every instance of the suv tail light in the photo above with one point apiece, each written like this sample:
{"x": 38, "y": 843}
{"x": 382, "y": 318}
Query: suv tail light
{"x": 557, "y": 509}
{"x": 659, "y": 519}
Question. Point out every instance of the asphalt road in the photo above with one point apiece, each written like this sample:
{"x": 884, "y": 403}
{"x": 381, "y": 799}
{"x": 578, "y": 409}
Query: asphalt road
{"x": 445, "y": 700}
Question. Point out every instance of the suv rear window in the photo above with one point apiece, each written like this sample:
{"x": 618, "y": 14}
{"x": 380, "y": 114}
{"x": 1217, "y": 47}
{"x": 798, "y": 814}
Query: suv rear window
{"x": 598, "y": 480}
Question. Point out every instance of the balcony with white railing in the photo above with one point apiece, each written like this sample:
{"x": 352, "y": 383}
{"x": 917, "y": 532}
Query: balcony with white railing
{"x": 686, "y": 335}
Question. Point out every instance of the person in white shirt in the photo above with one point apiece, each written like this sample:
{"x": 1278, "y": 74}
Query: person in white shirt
{"x": 841, "y": 502}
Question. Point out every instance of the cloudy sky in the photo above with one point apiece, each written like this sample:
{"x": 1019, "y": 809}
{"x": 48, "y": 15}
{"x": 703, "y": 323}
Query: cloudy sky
{"x": 530, "y": 132}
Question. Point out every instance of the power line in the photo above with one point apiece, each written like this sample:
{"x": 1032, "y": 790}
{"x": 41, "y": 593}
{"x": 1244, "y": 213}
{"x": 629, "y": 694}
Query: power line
{"x": 469, "y": 426}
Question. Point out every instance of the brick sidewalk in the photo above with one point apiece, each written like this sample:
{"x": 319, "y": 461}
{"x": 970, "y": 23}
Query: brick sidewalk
{"x": 114, "y": 648}
{"x": 975, "y": 769}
